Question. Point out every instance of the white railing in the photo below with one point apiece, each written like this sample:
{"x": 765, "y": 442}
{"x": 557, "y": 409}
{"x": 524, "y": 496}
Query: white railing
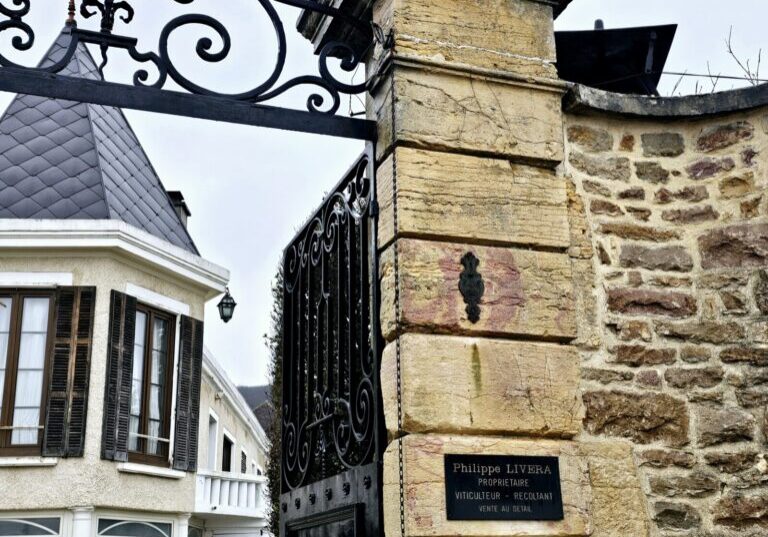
{"x": 223, "y": 493}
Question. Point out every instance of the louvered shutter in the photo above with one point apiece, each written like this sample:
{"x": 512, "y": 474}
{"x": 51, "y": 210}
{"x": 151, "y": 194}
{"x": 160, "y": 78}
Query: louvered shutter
{"x": 188, "y": 394}
{"x": 64, "y": 434}
{"x": 117, "y": 390}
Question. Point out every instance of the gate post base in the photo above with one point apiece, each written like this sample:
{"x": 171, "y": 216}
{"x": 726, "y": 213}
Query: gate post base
{"x": 601, "y": 494}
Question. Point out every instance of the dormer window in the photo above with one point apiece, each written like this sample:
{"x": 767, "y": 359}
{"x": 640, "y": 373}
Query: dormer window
{"x": 25, "y": 323}
{"x": 151, "y": 387}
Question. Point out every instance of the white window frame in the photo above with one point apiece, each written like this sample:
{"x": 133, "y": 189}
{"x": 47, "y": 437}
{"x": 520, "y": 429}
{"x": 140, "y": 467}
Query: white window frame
{"x": 212, "y": 414}
{"x": 233, "y": 450}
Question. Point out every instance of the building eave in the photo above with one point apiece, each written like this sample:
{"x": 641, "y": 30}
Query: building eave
{"x": 25, "y": 234}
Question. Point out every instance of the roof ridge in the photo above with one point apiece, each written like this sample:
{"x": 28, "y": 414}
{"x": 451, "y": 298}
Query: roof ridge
{"x": 90, "y": 122}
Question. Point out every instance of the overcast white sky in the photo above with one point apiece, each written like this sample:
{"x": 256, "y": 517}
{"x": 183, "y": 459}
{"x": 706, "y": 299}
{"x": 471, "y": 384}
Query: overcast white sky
{"x": 248, "y": 188}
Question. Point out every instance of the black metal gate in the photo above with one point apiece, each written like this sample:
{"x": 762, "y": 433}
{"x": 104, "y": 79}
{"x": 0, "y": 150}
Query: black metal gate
{"x": 331, "y": 437}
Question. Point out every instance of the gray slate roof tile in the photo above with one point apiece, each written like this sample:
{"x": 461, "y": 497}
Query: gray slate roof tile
{"x": 67, "y": 160}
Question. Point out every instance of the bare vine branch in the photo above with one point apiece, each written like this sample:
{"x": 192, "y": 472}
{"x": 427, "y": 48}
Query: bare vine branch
{"x": 752, "y": 76}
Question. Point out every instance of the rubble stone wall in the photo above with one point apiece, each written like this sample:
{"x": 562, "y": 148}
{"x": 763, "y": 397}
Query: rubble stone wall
{"x": 670, "y": 252}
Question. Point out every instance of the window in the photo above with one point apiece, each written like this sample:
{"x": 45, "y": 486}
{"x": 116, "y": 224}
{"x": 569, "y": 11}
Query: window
{"x": 150, "y": 419}
{"x": 25, "y": 320}
{"x": 29, "y": 526}
{"x": 133, "y": 528}
{"x": 213, "y": 440}
{"x": 243, "y": 462}
{"x": 226, "y": 454}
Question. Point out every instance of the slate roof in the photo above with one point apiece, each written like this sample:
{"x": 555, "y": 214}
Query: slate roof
{"x": 259, "y": 399}
{"x": 256, "y": 395}
{"x": 68, "y": 160}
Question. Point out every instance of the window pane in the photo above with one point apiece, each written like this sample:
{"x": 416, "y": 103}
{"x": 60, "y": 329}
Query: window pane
{"x": 155, "y": 447}
{"x": 35, "y": 315}
{"x": 155, "y": 405}
{"x": 136, "y": 396}
{"x": 6, "y": 304}
{"x": 5, "y": 326}
{"x": 226, "y": 456}
{"x": 5, "y": 314}
{"x": 27, "y": 420}
{"x": 127, "y": 528}
{"x": 160, "y": 335}
{"x": 157, "y": 385}
{"x": 29, "y": 526}
{"x": 29, "y": 388}
{"x": 133, "y": 440}
{"x": 159, "y": 359}
{"x": 29, "y": 378}
{"x": 32, "y": 350}
{"x": 138, "y": 380}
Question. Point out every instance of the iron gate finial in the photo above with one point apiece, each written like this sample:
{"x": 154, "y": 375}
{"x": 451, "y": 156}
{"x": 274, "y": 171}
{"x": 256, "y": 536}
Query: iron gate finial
{"x": 71, "y": 13}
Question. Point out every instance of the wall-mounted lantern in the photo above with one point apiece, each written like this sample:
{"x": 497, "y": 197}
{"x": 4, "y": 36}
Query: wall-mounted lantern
{"x": 227, "y": 307}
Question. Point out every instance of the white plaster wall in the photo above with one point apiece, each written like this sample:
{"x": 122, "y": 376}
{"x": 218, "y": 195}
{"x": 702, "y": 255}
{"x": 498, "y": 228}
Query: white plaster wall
{"x": 228, "y": 419}
{"x": 90, "y": 481}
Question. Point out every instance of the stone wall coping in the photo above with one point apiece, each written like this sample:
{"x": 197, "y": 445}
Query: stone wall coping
{"x": 590, "y": 101}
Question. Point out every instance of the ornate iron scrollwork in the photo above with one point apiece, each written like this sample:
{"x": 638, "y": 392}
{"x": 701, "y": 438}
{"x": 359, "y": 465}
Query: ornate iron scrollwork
{"x": 327, "y": 101}
{"x": 108, "y": 10}
{"x": 472, "y": 286}
{"x": 330, "y": 362}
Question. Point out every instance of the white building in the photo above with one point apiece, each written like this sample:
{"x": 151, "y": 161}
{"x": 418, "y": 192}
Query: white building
{"x": 113, "y": 421}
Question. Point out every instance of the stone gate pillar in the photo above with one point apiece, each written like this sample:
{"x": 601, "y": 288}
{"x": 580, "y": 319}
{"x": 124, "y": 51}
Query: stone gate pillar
{"x": 470, "y": 139}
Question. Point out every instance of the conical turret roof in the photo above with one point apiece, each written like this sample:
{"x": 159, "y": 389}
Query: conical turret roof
{"x": 69, "y": 160}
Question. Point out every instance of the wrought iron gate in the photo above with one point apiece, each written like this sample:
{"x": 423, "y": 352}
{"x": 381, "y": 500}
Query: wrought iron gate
{"x": 332, "y": 427}
{"x": 331, "y": 437}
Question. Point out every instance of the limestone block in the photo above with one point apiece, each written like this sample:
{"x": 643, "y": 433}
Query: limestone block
{"x": 483, "y": 386}
{"x": 618, "y": 502}
{"x": 515, "y": 37}
{"x": 480, "y": 199}
{"x": 424, "y": 479}
{"x": 450, "y": 111}
{"x": 527, "y": 293}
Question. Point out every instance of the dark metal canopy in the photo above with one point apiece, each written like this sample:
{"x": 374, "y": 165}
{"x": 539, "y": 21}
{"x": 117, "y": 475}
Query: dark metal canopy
{"x": 626, "y": 60}
{"x": 321, "y": 29}
{"x": 560, "y": 6}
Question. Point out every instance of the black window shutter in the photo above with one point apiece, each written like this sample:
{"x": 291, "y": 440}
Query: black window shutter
{"x": 188, "y": 394}
{"x": 117, "y": 389}
{"x": 64, "y": 434}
